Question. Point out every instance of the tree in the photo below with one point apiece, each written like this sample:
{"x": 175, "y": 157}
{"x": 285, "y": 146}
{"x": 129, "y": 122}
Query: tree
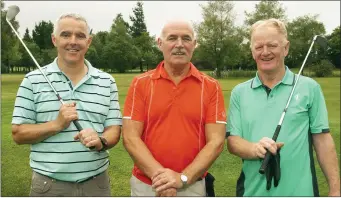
{"x": 265, "y": 10}
{"x": 41, "y": 35}
{"x": 10, "y": 54}
{"x": 141, "y": 38}
{"x": 26, "y": 61}
{"x": 216, "y": 35}
{"x": 27, "y": 37}
{"x": 334, "y": 43}
{"x": 119, "y": 52}
{"x": 139, "y": 25}
{"x": 301, "y": 31}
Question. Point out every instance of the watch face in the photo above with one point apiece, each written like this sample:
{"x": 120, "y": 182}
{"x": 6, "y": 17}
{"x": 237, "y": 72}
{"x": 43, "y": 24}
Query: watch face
{"x": 183, "y": 178}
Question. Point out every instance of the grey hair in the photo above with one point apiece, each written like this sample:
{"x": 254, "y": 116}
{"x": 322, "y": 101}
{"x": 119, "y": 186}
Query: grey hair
{"x": 72, "y": 16}
{"x": 162, "y": 33}
{"x": 279, "y": 25}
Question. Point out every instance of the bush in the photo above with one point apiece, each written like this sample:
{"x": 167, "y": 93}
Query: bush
{"x": 234, "y": 74}
{"x": 323, "y": 69}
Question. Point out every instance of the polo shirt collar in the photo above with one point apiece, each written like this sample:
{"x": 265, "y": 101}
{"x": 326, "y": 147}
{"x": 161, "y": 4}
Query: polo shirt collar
{"x": 53, "y": 68}
{"x": 161, "y": 72}
{"x": 288, "y": 79}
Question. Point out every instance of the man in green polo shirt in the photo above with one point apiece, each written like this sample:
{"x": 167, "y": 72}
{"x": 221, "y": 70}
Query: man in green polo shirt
{"x": 255, "y": 109}
{"x": 62, "y": 163}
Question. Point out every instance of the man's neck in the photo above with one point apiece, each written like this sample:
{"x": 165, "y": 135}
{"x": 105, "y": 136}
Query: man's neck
{"x": 177, "y": 72}
{"x": 74, "y": 72}
{"x": 270, "y": 79}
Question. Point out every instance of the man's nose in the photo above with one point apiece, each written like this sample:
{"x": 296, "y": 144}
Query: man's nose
{"x": 179, "y": 42}
{"x": 265, "y": 50}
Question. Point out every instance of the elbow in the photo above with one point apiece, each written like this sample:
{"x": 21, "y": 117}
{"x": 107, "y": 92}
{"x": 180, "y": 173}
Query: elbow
{"x": 16, "y": 134}
{"x": 230, "y": 147}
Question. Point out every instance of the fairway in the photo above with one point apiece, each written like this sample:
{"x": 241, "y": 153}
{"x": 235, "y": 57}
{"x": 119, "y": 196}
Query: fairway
{"x": 16, "y": 172}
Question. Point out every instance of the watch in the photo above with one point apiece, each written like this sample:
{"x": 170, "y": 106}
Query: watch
{"x": 104, "y": 143}
{"x": 183, "y": 179}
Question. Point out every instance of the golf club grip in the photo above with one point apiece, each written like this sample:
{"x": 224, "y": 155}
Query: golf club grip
{"x": 268, "y": 154}
{"x": 79, "y": 128}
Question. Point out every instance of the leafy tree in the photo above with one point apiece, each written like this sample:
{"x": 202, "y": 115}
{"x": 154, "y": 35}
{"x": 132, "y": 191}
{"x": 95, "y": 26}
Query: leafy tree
{"x": 41, "y": 35}
{"x": 139, "y": 24}
{"x": 141, "y": 38}
{"x": 216, "y": 35}
{"x": 301, "y": 31}
{"x": 10, "y": 54}
{"x": 334, "y": 43}
{"x": 119, "y": 52}
{"x": 265, "y": 10}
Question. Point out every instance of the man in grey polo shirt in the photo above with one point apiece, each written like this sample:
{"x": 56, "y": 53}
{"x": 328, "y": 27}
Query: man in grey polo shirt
{"x": 62, "y": 163}
{"x": 255, "y": 109}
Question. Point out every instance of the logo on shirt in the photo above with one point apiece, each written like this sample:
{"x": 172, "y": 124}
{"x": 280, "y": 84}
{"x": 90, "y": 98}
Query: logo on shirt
{"x": 297, "y": 97}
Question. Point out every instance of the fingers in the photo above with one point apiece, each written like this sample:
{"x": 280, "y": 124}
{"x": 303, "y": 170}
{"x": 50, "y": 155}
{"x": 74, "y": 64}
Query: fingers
{"x": 89, "y": 138}
{"x": 165, "y": 186}
{"x": 267, "y": 144}
{"x": 279, "y": 145}
{"x": 159, "y": 182}
{"x": 158, "y": 172}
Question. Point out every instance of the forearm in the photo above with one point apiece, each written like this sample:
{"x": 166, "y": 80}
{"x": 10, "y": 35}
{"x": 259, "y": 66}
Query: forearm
{"x": 327, "y": 158}
{"x": 241, "y": 147}
{"x": 112, "y": 135}
{"x": 141, "y": 155}
{"x": 203, "y": 161}
{"x": 34, "y": 133}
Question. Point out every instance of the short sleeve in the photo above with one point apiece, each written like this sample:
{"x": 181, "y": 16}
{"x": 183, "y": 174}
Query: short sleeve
{"x": 24, "y": 107}
{"x": 233, "y": 118}
{"x": 216, "y": 108}
{"x": 318, "y": 115}
{"x": 114, "y": 116}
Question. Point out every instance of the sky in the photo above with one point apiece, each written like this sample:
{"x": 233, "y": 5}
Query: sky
{"x": 100, "y": 14}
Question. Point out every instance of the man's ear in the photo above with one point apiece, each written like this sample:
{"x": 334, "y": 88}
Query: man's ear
{"x": 286, "y": 48}
{"x": 159, "y": 42}
{"x": 53, "y": 38}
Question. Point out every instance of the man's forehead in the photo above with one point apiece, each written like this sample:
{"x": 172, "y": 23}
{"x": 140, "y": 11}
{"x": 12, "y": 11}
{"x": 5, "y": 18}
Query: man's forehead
{"x": 178, "y": 28}
{"x": 68, "y": 24}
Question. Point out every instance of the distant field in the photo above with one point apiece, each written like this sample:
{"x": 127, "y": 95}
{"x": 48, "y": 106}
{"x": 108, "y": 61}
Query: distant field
{"x": 16, "y": 173}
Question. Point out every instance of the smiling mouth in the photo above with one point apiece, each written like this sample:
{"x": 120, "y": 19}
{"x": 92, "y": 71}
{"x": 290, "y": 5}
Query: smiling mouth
{"x": 178, "y": 53}
{"x": 267, "y": 59}
{"x": 72, "y": 50}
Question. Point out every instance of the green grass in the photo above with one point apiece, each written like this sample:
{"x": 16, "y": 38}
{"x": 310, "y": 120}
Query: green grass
{"x": 16, "y": 172}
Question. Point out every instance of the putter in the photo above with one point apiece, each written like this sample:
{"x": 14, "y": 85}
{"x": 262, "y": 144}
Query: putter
{"x": 323, "y": 43}
{"x": 11, "y": 13}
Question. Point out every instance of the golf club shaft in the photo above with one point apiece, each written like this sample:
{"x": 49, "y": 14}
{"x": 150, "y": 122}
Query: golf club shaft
{"x": 278, "y": 128}
{"x": 78, "y": 126}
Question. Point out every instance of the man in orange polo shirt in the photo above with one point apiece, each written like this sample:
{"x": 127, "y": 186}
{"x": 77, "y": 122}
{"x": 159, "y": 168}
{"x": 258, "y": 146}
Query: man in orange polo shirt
{"x": 174, "y": 121}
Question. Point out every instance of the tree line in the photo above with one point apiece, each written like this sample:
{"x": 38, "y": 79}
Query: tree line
{"x": 222, "y": 45}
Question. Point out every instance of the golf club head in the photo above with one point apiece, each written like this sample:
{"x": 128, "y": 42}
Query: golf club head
{"x": 321, "y": 41}
{"x": 12, "y": 11}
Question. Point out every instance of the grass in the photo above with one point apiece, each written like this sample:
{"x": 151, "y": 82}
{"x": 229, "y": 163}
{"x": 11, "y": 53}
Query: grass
{"x": 16, "y": 172}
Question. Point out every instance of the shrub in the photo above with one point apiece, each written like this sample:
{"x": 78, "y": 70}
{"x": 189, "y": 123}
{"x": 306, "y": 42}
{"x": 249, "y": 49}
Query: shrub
{"x": 323, "y": 69}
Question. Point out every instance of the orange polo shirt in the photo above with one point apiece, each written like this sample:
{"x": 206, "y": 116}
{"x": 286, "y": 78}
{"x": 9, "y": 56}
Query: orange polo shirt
{"x": 174, "y": 116}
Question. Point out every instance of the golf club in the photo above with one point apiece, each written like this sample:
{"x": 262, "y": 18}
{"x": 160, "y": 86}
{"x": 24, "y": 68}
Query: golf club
{"x": 11, "y": 13}
{"x": 323, "y": 43}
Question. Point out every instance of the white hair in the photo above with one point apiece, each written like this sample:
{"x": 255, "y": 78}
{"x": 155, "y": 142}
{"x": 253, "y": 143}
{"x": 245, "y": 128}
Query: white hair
{"x": 162, "y": 36}
{"x": 72, "y": 16}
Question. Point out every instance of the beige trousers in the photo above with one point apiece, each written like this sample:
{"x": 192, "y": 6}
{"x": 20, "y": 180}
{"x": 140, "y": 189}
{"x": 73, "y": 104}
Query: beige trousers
{"x": 43, "y": 186}
{"x": 139, "y": 188}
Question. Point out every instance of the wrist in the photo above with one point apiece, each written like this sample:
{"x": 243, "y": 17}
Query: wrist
{"x": 104, "y": 143}
{"x": 183, "y": 180}
{"x": 55, "y": 126}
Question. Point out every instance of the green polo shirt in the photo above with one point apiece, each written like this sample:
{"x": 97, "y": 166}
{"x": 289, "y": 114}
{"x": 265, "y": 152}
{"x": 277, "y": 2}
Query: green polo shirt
{"x": 96, "y": 97}
{"x": 254, "y": 114}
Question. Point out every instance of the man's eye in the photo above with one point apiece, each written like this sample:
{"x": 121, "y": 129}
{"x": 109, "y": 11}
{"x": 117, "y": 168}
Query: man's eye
{"x": 81, "y": 36}
{"x": 171, "y": 38}
{"x": 187, "y": 39}
{"x": 65, "y": 35}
